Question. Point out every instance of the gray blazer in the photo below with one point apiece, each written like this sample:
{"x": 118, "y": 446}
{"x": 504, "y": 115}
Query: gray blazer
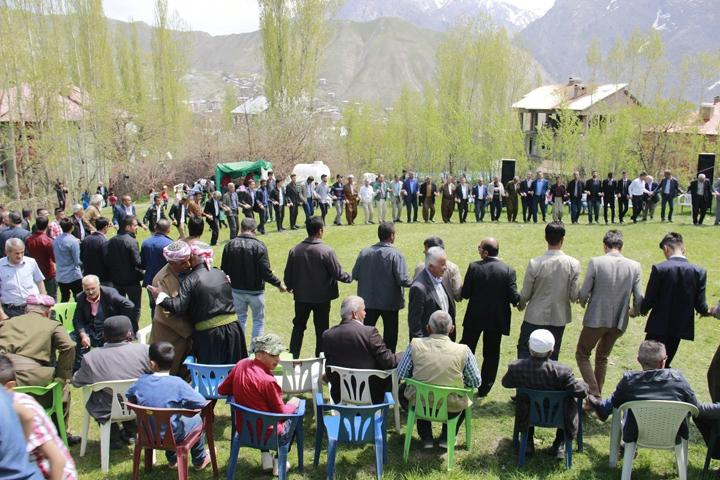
{"x": 381, "y": 273}
{"x": 551, "y": 284}
{"x": 606, "y": 291}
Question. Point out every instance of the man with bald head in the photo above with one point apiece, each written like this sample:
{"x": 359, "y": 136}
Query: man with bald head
{"x": 490, "y": 285}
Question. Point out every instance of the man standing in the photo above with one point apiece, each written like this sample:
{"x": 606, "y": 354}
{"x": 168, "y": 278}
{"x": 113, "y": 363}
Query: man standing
{"x": 462, "y": 197}
{"x": 322, "y": 190}
{"x": 102, "y": 190}
{"x": 14, "y": 230}
{"x": 230, "y": 200}
{"x": 675, "y": 290}
{"x": 194, "y": 209}
{"x": 636, "y": 191}
{"x": 511, "y": 198}
{"x": 54, "y": 229}
{"x": 277, "y": 198}
{"x": 308, "y": 197}
{"x": 292, "y": 197}
{"x": 452, "y": 278}
{"x": 491, "y": 287}
{"x": 426, "y": 194}
{"x": 650, "y": 199}
{"x": 381, "y": 273}
{"x": 716, "y": 194}
{"x": 496, "y": 192}
{"x": 448, "y": 199}
{"x": 381, "y": 196}
{"x": 701, "y": 192}
{"x": 79, "y": 229}
{"x": 396, "y": 187}
{"x": 93, "y": 252}
{"x": 152, "y": 259}
{"x": 246, "y": 262}
{"x": 609, "y": 187}
{"x": 558, "y": 192}
{"x": 248, "y": 201}
{"x": 410, "y": 192}
{"x": 351, "y": 195}
{"x": 428, "y": 295}
{"x": 575, "y": 189}
{"x": 178, "y": 215}
{"x": 212, "y": 215}
{"x": 271, "y": 185}
{"x": 155, "y": 213}
{"x": 67, "y": 262}
{"x": 367, "y": 194}
{"x": 20, "y": 276}
{"x": 539, "y": 189}
{"x": 479, "y": 194}
{"x": 526, "y": 196}
{"x": 352, "y": 344}
{"x": 609, "y": 281}
{"x": 311, "y": 275}
{"x": 593, "y": 191}
{"x": 338, "y": 196}
{"x": 93, "y": 212}
{"x": 123, "y": 258}
{"x": 623, "y": 195}
{"x": 40, "y": 247}
{"x": 121, "y": 211}
{"x": 669, "y": 188}
{"x": 61, "y": 192}
{"x": 551, "y": 284}
{"x": 261, "y": 205}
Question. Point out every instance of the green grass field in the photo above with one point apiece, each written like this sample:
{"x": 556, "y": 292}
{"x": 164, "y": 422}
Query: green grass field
{"x": 490, "y": 454}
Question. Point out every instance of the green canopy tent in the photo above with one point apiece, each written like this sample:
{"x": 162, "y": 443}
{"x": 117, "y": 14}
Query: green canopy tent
{"x": 224, "y": 172}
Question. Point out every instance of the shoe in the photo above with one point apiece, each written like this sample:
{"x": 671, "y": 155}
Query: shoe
{"x": 670, "y": 220}
{"x": 428, "y": 444}
{"x": 595, "y": 405}
{"x": 372, "y": 223}
{"x": 443, "y": 443}
{"x": 557, "y": 451}
{"x": 127, "y": 439}
{"x": 117, "y": 445}
{"x": 205, "y": 462}
{"x": 267, "y": 461}
{"x": 73, "y": 439}
{"x": 276, "y": 467}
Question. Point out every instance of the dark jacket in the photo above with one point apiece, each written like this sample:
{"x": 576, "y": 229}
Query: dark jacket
{"x": 674, "y": 187}
{"x": 609, "y": 188}
{"x": 111, "y": 303}
{"x": 204, "y": 294}
{"x": 423, "y": 302}
{"x": 210, "y": 209}
{"x": 292, "y": 194}
{"x": 77, "y": 230}
{"x": 491, "y": 287}
{"x": 623, "y": 187}
{"x": 593, "y": 187}
{"x": 675, "y": 290}
{"x": 571, "y": 189}
{"x": 381, "y": 273}
{"x": 707, "y": 190}
{"x": 312, "y": 272}
{"x": 150, "y": 218}
{"x": 123, "y": 259}
{"x": 93, "y": 255}
{"x": 12, "y": 232}
{"x": 245, "y": 260}
{"x": 423, "y": 188}
{"x": 275, "y": 196}
{"x": 563, "y": 192}
{"x": 175, "y": 213}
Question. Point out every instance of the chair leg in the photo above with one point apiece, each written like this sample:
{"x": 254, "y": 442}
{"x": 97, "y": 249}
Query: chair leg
{"x": 332, "y": 451}
{"x": 568, "y": 451}
{"x": 282, "y": 462}
{"x": 468, "y": 428}
{"x": 451, "y": 428}
{"x": 149, "y": 459}
{"x": 523, "y": 446}
{"x": 681, "y": 460}
{"x": 319, "y": 429}
{"x": 615, "y": 434}
{"x": 58, "y": 411}
{"x": 234, "y": 451}
{"x": 105, "y": 446}
{"x": 86, "y": 427}
{"x": 299, "y": 444}
{"x": 379, "y": 457}
{"x": 396, "y": 395}
{"x": 516, "y": 435}
{"x": 409, "y": 431}
{"x": 210, "y": 439}
{"x": 182, "y": 465}
{"x": 628, "y": 460}
{"x": 136, "y": 461}
{"x": 580, "y": 426}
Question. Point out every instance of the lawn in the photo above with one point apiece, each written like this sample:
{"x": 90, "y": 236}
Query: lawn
{"x": 490, "y": 454}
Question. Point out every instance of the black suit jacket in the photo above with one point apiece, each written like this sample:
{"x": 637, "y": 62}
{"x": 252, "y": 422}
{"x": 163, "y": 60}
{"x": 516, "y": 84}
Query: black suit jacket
{"x": 210, "y": 209}
{"x": 609, "y": 187}
{"x": 175, "y": 212}
{"x": 353, "y": 345}
{"x": 674, "y": 187}
{"x": 111, "y": 302}
{"x": 77, "y": 233}
{"x": 93, "y": 253}
{"x": 571, "y": 189}
{"x": 594, "y": 187}
{"x": 491, "y": 287}
{"x": 707, "y": 190}
{"x": 675, "y": 290}
{"x": 623, "y": 189}
{"x": 423, "y": 303}
{"x": 421, "y": 192}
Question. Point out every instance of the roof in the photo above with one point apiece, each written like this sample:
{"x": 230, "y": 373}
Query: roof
{"x": 553, "y": 97}
{"x": 252, "y": 107}
{"x": 240, "y": 169}
{"x": 695, "y": 121}
{"x": 70, "y": 104}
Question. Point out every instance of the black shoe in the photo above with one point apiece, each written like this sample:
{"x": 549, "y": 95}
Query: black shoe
{"x": 73, "y": 439}
{"x": 595, "y": 405}
{"x": 127, "y": 439}
{"x": 557, "y": 451}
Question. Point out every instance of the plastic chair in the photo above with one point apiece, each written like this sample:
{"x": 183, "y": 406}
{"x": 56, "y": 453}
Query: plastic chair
{"x": 64, "y": 313}
{"x": 355, "y": 424}
{"x": 206, "y": 379}
{"x": 355, "y": 387}
{"x": 259, "y": 430}
{"x": 714, "y": 433}
{"x": 302, "y": 376}
{"x": 435, "y": 409}
{"x": 118, "y": 413}
{"x": 57, "y": 405}
{"x": 144, "y": 334}
{"x": 658, "y": 422}
{"x": 546, "y": 411}
{"x": 155, "y": 433}
{"x": 684, "y": 200}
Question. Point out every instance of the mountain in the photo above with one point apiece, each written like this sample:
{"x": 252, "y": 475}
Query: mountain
{"x": 559, "y": 39}
{"x": 440, "y": 14}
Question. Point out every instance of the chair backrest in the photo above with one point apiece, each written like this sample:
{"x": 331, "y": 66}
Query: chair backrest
{"x": 144, "y": 334}
{"x": 118, "y": 412}
{"x": 154, "y": 425}
{"x": 356, "y": 422}
{"x": 546, "y": 406}
{"x": 207, "y": 378}
{"x": 355, "y": 384}
{"x": 658, "y": 421}
{"x": 64, "y": 313}
{"x": 257, "y": 429}
{"x": 431, "y": 401}
{"x": 298, "y": 375}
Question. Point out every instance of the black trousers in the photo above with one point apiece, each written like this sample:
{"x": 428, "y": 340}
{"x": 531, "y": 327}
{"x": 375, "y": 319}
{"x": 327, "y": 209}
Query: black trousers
{"x": 321, "y": 318}
{"x": 215, "y": 228}
{"x": 527, "y": 207}
{"x": 463, "y": 210}
{"x": 66, "y": 288}
{"x": 390, "y": 325}
{"x": 279, "y": 216}
{"x": 526, "y": 330}
{"x": 622, "y": 207}
{"x": 262, "y": 217}
{"x": 495, "y": 209}
{"x": 699, "y": 207}
{"x": 134, "y": 294}
{"x": 637, "y": 201}
{"x": 490, "y": 353}
{"x": 411, "y": 203}
{"x": 671, "y": 345}
{"x": 538, "y": 203}
{"x": 609, "y": 204}
{"x": 293, "y": 215}
{"x": 479, "y": 210}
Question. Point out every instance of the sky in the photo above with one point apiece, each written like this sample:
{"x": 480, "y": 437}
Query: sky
{"x": 221, "y": 17}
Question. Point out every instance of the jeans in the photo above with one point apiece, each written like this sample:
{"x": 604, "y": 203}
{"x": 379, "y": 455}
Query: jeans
{"x": 96, "y": 340}
{"x": 323, "y": 210}
{"x": 604, "y": 338}
{"x": 538, "y": 203}
{"x": 668, "y": 199}
{"x": 479, "y": 210}
{"x": 256, "y": 302}
{"x": 197, "y": 452}
{"x": 575, "y": 208}
{"x": 308, "y": 207}
{"x": 593, "y": 208}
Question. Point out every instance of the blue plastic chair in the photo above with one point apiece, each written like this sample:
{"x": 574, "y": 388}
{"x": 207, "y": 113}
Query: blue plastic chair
{"x": 548, "y": 415}
{"x": 355, "y": 424}
{"x": 207, "y": 378}
{"x": 259, "y": 430}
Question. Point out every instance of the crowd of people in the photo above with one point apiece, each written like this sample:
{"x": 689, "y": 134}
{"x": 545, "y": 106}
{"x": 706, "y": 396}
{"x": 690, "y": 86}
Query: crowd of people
{"x": 203, "y": 311}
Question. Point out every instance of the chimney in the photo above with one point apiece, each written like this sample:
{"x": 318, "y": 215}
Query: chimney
{"x": 716, "y": 100}
{"x": 574, "y": 81}
{"x": 706, "y": 111}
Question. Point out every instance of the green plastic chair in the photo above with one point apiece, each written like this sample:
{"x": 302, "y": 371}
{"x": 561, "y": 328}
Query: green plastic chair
{"x": 434, "y": 409}
{"x": 64, "y": 313}
{"x": 56, "y": 407}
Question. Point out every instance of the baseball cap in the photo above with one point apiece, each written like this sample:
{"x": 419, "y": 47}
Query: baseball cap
{"x": 541, "y": 341}
{"x": 269, "y": 343}
{"x": 39, "y": 299}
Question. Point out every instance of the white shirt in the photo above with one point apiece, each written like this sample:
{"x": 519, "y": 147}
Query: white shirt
{"x": 367, "y": 193}
{"x": 437, "y": 283}
{"x": 637, "y": 188}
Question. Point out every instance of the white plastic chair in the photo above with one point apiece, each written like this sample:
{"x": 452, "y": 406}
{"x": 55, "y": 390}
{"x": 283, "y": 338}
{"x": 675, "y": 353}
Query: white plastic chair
{"x": 658, "y": 423}
{"x": 143, "y": 334}
{"x": 684, "y": 200}
{"x": 303, "y": 375}
{"x": 118, "y": 413}
{"x": 355, "y": 387}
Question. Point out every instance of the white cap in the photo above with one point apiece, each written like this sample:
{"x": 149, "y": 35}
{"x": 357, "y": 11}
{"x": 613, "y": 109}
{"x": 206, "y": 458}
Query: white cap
{"x": 541, "y": 341}
{"x": 351, "y": 176}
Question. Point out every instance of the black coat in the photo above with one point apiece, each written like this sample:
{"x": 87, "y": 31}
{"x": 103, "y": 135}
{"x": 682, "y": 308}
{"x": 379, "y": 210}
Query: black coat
{"x": 93, "y": 255}
{"x": 491, "y": 287}
{"x": 246, "y": 261}
{"x": 707, "y": 190}
{"x": 175, "y": 213}
{"x": 204, "y": 293}
{"x": 571, "y": 189}
{"x": 150, "y": 218}
{"x": 111, "y": 302}
{"x": 423, "y": 302}
{"x": 594, "y": 187}
{"x": 123, "y": 258}
{"x": 12, "y": 232}
{"x": 609, "y": 187}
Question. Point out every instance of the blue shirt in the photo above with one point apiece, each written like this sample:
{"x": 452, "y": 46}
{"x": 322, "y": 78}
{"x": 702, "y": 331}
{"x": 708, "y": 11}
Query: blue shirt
{"x": 151, "y": 256}
{"x": 14, "y": 461}
{"x": 67, "y": 258}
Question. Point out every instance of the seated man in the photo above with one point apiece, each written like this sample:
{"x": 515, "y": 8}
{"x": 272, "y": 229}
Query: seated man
{"x": 160, "y": 390}
{"x": 439, "y": 361}
{"x": 14, "y": 461}
{"x": 253, "y": 385}
{"x": 31, "y": 342}
{"x": 355, "y": 345}
{"x": 94, "y": 305}
{"x": 45, "y": 447}
{"x": 117, "y": 359}
{"x": 539, "y": 372}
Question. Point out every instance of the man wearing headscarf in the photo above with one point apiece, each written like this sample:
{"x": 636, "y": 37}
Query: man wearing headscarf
{"x": 206, "y": 295}
{"x": 176, "y": 329}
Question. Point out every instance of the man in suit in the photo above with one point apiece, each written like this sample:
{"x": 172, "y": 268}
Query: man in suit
{"x": 278, "y": 200}
{"x": 426, "y": 194}
{"x": 155, "y": 213}
{"x": 452, "y": 278}
{"x": 79, "y": 230}
{"x": 13, "y": 231}
{"x": 448, "y": 199}
{"x": 716, "y": 194}
{"x": 511, "y": 198}
{"x": 92, "y": 213}
{"x": 609, "y": 187}
{"x": 381, "y": 273}
{"x": 609, "y": 281}
{"x": 213, "y": 207}
{"x": 593, "y": 191}
{"x": 351, "y": 192}
{"x": 428, "y": 295}
{"x": 352, "y": 344}
{"x": 121, "y": 211}
{"x": 271, "y": 185}
{"x": 463, "y": 193}
{"x": 262, "y": 200}
{"x": 669, "y": 188}
{"x": 701, "y": 192}
{"x": 575, "y": 189}
{"x": 231, "y": 200}
{"x": 551, "y": 284}
{"x": 178, "y": 214}
{"x": 539, "y": 189}
{"x": 93, "y": 252}
{"x": 396, "y": 187}
{"x": 491, "y": 287}
{"x": 292, "y": 197}
{"x": 480, "y": 194}
{"x": 496, "y": 192}
{"x": 526, "y": 196}
{"x": 123, "y": 258}
{"x": 248, "y": 200}
{"x": 409, "y": 190}
{"x": 650, "y": 198}
{"x": 623, "y": 195}
{"x": 675, "y": 289}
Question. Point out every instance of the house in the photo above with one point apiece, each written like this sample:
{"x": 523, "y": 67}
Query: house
{"x": 539, "y": 108}
{"x": 252, "y": 107}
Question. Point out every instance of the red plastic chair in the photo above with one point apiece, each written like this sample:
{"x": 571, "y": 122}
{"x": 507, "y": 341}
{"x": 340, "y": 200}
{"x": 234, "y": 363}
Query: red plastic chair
{"x": 151, "y": 422}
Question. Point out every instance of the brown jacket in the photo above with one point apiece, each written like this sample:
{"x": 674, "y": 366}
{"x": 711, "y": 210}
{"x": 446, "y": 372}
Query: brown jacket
{"x": 194, "y": 209}
{"x": 350, "y": 196}
{"x": 312, "y": 272}
{"x": 91, "y": 214}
